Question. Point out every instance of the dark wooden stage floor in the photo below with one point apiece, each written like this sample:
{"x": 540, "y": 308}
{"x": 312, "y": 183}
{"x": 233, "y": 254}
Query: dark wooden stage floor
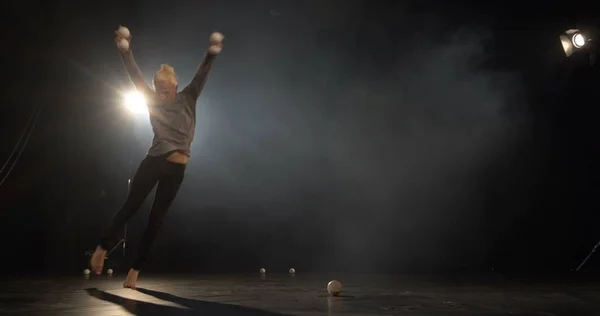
{"x": 299, "y": 295}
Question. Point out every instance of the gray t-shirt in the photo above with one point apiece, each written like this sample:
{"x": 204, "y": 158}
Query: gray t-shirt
{"x": 173, "y": 124}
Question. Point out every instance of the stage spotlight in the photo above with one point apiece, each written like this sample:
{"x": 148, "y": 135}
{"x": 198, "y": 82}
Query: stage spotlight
{"x": 572, "y": 41}
{"x": 578, "y": 40}
{"x": 135, "y": 102}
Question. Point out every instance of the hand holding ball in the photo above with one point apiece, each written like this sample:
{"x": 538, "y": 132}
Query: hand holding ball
{"x": 123, "y": 32}
{"x": 123, "y": 45}
{"x": 215, "y": 43}
{"x": 216, "y": 37}
{"x": 122, "y": 38}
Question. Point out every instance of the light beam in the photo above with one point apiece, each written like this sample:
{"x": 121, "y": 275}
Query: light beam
{"x": 135, "y": 102}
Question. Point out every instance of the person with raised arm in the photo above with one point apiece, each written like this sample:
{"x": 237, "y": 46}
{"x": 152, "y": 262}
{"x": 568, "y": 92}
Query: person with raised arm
{"x": 173, "y": 120}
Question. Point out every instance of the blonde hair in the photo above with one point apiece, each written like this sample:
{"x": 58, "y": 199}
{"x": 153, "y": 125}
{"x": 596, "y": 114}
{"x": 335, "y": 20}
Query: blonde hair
{"x": 166, "y": 73}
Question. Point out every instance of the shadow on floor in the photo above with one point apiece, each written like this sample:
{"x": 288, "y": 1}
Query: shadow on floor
{"x": 194, "y": 307}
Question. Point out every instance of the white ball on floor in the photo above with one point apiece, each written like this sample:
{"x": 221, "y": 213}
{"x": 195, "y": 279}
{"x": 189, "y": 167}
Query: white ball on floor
{"x": 334, "y": 287}
{"x": 87, "y": 271}
{"x": 109, "y": 271}
{"x": 263, "y": 271}
{"x": 292, "y": 271}
{"x": 123, "y": 32}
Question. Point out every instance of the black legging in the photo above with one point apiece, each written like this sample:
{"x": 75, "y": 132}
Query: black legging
{"x": 153, "y": 169}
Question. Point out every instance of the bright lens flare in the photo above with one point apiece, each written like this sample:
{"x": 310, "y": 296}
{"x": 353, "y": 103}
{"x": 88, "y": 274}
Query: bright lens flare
{"x": 578, "y": 40}
{"x": 135, "y": 102}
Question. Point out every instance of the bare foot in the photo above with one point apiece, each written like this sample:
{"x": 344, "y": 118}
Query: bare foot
{"x": 131, "y": 279}
{"x": 97, "y": 260}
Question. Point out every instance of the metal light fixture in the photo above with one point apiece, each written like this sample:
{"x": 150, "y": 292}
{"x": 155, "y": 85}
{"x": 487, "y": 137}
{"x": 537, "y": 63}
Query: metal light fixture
{"x": 572, "y": 41}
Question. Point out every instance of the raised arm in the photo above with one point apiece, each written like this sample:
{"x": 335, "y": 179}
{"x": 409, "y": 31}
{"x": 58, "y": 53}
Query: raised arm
{"x": 195, "y": 87}
{"x": 214, "y": 48}
{"x": 135, "y": 74}
{"x": 123, "y": 39}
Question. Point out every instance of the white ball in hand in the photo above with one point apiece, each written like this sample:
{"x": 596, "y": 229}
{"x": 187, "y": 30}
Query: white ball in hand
{"x": 86, "y": 271}
{"x": 123, "y": 32}
{"x": 216, "y": 37}
{"x": 123, "y": 44}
